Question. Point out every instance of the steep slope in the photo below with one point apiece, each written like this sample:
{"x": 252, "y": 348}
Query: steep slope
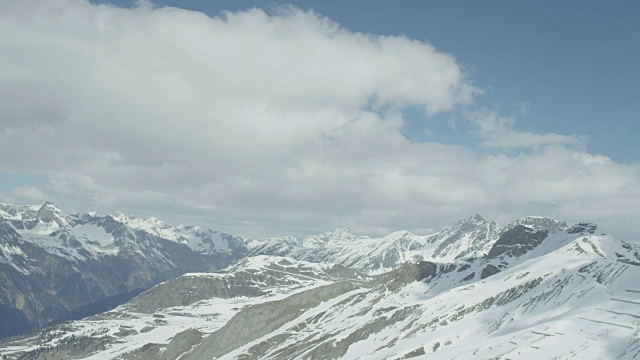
{"x": 52, "y": 263}
{"x": 182, "y": 310}
{"x": 537, "y": 293}
{"x": 566, "y": 297}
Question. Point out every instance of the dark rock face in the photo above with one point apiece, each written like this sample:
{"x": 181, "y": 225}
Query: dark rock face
{"x": 489, "y": 270}
{"x": 47, "y": 276}
{"x": 410, "y": 272}
{"x": 13, "y": 322}
{"x": 517, "y": 241}
{"x": 582, "y": 228}
{"x": 55, "y": 286}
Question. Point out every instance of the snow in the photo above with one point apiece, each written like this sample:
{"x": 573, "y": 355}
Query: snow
{"x": 191, "y": 236}
{"x": 93, "y": 233}
{"x": 206, "y": 316}
{"x": 7, "y": 254}
{"x": 574, "y": 295}
{"x": 561, "y": 310}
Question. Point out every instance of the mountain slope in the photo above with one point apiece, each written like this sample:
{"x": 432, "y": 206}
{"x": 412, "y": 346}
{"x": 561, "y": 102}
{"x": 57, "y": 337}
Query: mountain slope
{"x": 52, "y": 263}
{"x": 539, "y": 291}
{"x": 566, "y": 297}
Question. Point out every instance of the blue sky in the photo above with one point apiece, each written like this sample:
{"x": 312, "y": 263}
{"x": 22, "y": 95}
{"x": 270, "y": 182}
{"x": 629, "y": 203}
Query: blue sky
{"x": 271, "y": 119}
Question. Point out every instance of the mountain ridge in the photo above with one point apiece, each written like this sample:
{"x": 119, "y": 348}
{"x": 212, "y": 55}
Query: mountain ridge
{"x": 54, "y": 263}
{"x": 332, "y": 295}
{"x": 569, "y": 295}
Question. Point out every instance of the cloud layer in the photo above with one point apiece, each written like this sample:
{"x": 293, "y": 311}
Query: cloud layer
{"x": 269, "y": 123}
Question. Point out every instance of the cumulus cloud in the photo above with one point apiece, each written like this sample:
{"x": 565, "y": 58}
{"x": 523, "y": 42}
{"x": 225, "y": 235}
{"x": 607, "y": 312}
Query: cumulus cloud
{"x": 269, "y": 123}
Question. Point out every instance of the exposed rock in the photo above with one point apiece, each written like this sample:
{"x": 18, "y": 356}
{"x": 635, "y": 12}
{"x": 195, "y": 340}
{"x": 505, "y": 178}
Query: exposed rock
{"x": 236, "y": 281}
{"x": 417, "y": 352}
{"x": 582, "y": 228}
{"x": 181, "y": 344}
{"x": 538, "y": 223}
{"x": 52, "y": 264}
{"x": 408, "y": 273}
{"x": 489, "y": 270}
{"x": 253, "y": 322}
{"x": 517, "y": 241}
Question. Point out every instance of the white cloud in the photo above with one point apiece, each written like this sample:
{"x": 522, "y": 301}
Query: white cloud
{"x": 496, "y": 131}
{"x": 26, "y": 193}
{"x": 266, "y": 123}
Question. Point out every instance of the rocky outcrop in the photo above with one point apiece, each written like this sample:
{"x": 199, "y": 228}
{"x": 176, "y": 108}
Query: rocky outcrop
{"x": 538, "y": 223}
{"x": 517, "y": 241}
{"x": 244, "y": 279}
{"x": 489, "y": 270}
{"x": 259, "y": 320}
{"x": 52, "y": 264}
{"x": 583, "y": 227}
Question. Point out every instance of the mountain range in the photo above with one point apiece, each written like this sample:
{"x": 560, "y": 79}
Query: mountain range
{"x": 536, "y": 288}
{"x": 52, "y": 263}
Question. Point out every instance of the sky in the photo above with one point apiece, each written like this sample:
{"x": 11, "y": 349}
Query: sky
{"x": 270, "y": 118}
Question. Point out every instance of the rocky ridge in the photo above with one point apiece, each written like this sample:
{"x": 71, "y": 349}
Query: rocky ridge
{"x": 52, "y": 263}
{"x": 538, "y": 289}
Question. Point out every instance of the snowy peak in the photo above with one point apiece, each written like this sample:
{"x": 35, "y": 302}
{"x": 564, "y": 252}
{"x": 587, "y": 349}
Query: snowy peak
{"x": 56, "y": 232}
{"x": 205, "y": 241}
{"x": 48, "y": 213}
{"x": 53, "y": 263}
{"x": 331, "y": 238}
{"x": 539, "y": 223}
{"x": 150, "y": 225}
{"x": 467, "y": 238}
{"x": 543, "y": 290}
{"x": 31, "y": 215}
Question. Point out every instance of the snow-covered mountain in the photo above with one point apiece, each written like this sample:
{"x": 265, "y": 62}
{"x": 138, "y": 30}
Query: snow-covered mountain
{"x": 536, "y": 289}
{"x": 467, "y": 239}
{"x": 53, "y": 263}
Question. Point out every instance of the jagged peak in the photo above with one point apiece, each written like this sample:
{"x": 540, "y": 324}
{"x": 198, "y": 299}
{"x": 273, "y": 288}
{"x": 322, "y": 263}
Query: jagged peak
{"x": 538, "y": 223}
{"x": 341, "y": 231}
{"x": 49, "y": 204}
{"x": 92, "y": 214}
{"x": 473, "y": 221}
{"x": 14, "y": 209}
{"x": 118, "y": 216}
{"x": 49, "y": 212}
{"x": 137, "y": 221}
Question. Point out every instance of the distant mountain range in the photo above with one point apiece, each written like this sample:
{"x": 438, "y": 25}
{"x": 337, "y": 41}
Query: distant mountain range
{"x": 52, "y": 263}
{"x": 534, "y": 289}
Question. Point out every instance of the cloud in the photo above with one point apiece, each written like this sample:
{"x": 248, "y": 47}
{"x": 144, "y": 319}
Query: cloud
{"x": 26, "y": 193}
{"x": 496, "y": 131}
{"x": 270, "y": 123}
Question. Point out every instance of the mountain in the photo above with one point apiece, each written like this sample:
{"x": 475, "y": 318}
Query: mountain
{"x": 466, "y": 239}
{"x": 535, "y": 289}
{"x": 52, "y": 263}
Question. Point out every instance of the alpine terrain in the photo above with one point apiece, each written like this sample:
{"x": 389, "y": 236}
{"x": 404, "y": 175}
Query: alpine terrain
{"x": 55, "y": 266}
{"x": 534, "y": 289}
